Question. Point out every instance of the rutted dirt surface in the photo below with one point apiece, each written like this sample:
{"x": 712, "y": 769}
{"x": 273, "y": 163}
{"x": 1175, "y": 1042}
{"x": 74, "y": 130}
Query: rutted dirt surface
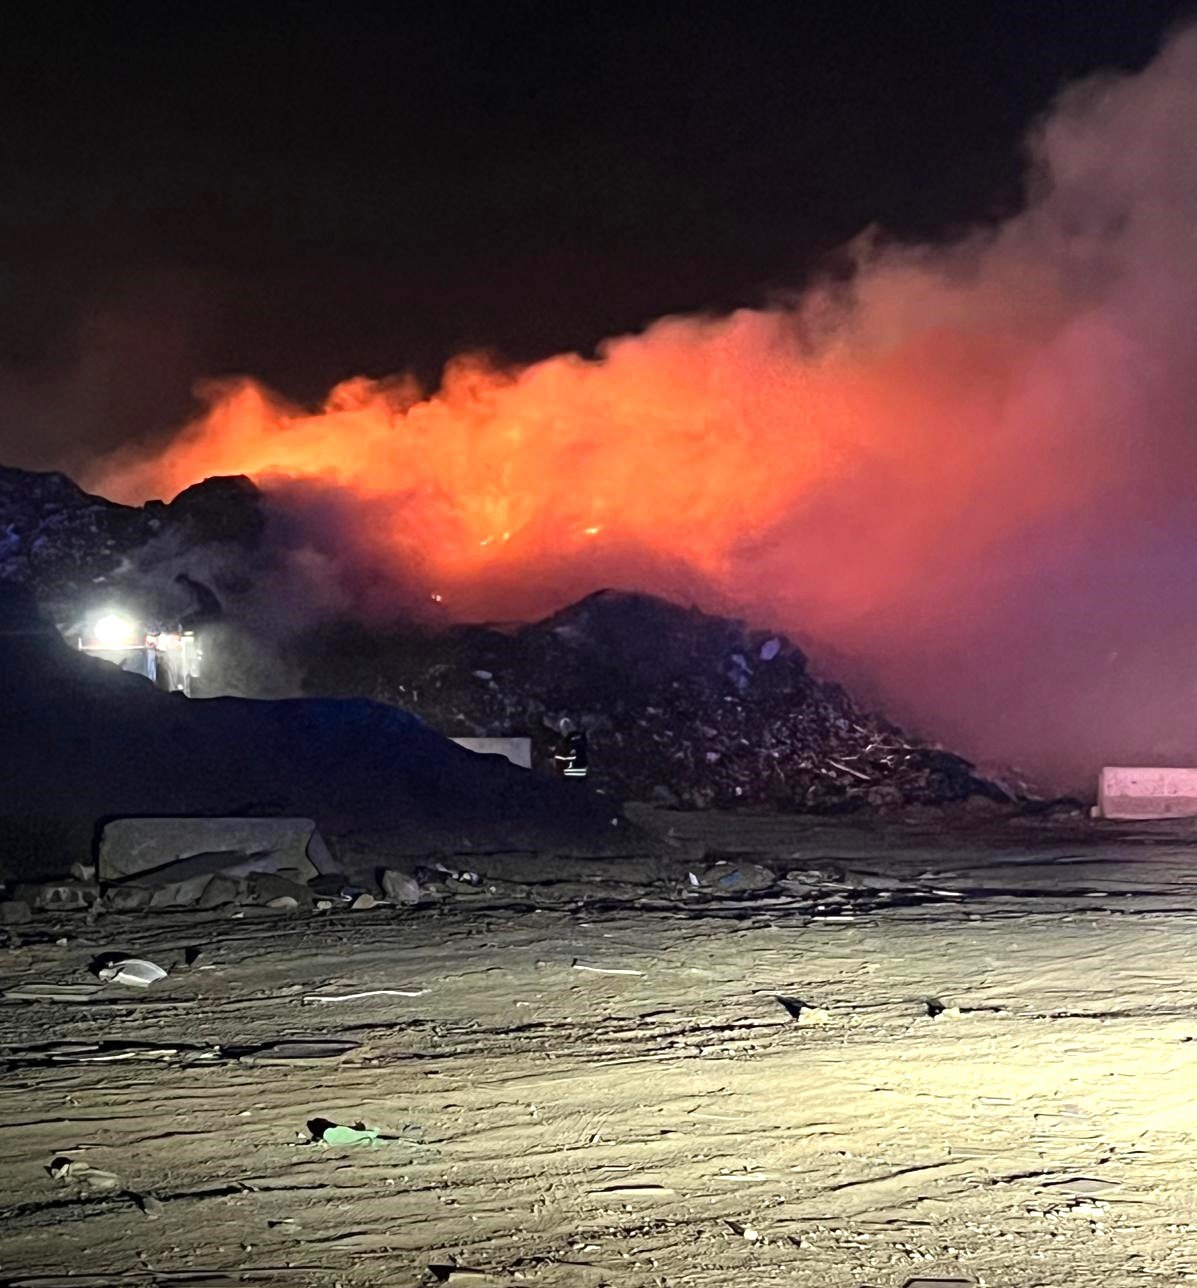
{"x": 597, "y": 1083}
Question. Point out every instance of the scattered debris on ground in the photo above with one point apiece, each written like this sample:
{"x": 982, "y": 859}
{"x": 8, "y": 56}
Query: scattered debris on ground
{"x": 467, "y": 1098}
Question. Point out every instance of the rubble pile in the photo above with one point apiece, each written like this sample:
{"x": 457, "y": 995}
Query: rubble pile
{"x": 680, "y": 707}
{"x": 72, "y": 548}
{"x": 82, "y": 741}
{"x": 151, "y": 876}
{"x": 57, "y": 537}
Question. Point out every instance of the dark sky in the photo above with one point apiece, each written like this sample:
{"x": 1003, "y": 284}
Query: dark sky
{"x": 306, "y": 191}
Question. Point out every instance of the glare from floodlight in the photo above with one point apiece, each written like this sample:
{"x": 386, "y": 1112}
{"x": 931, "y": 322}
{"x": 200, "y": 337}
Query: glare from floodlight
{"x": 114, "y": 631}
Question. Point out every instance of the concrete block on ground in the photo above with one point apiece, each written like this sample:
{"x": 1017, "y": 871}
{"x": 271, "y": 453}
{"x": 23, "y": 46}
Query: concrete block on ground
{"x": 131, "y": 847}
{"x": 517, "y": 750}
{"x": 1128, "y": 792}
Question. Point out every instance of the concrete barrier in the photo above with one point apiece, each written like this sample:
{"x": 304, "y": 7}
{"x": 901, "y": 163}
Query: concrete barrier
{"x": 1130, "y": 793}
{"x": 517, "y": 750}
{"x": 132, "y": 846}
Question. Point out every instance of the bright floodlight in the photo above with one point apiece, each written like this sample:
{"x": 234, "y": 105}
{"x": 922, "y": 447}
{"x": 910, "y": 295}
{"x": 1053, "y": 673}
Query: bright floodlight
{"x": 114, "y": 631}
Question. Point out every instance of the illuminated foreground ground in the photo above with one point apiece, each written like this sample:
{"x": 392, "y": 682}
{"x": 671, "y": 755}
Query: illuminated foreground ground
{"x": 676, "y": 1126}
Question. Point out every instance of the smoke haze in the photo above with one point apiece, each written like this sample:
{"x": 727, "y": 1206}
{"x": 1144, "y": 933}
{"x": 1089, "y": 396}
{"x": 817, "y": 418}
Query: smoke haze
{"x": 963, "y": 475}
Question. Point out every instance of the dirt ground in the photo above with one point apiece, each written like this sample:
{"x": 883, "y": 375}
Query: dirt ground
{"x": 981, "y": 1070}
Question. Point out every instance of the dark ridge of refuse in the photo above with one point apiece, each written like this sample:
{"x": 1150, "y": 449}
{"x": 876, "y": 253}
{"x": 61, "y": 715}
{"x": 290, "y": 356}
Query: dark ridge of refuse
{"x": 81, "y": 741}
{"x": 681, "y": 708}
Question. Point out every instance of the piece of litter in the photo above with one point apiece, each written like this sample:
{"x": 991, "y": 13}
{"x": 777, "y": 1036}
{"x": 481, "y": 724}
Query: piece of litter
{"x": 605, "y": 970}
{"x": 134, "y": 971}
{"x": 458, "y": 1275}
{"x": 336, "y": 1135}
{"x": 632, "y": 1190}
{"x": 63, "y": 1168}
{"x": 1082, "y": 1185}
{"x": 330, "y": 1133}
{"x": 744, "y": 1231}
{"x": 806, "y": 1015}
{"x": 370, "y": 992}
{"x": 300, "y": 1049}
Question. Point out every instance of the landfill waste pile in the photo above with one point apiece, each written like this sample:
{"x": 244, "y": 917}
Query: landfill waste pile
{"x": 82, "y": 741}
{"x": 68, "y": 545}
{"x": 680, "y": 707}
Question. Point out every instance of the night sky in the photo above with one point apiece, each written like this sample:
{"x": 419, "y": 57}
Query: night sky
{"x": 308, "y": 191}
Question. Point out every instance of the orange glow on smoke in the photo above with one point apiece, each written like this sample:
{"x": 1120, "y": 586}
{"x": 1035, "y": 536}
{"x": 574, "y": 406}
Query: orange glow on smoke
{"x": 968, "y": 470}
{"x": 712, "y": 446}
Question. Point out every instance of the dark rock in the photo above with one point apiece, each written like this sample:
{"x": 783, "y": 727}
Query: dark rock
{"x": 15, "y": 912}
{"x": 265, "y": 888}
{"x": 738, "y": 878}
{"x": 399, "y": 887}
{"x": 885, "y": 796}
{"x": 186, "y": 893}
{"x": 127, "y": 898}
{"x": 219, "y": 891}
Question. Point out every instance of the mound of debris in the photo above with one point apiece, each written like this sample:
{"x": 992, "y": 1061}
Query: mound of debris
{"x": 58, "y": 537}
{"x": 680, "y": 707}
{"x": 72, "y": 548}
{"x": 82, "y": 741}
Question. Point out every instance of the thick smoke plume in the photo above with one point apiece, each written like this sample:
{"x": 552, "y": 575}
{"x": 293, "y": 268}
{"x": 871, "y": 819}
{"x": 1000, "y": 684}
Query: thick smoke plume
{"x": 967, "y": 473}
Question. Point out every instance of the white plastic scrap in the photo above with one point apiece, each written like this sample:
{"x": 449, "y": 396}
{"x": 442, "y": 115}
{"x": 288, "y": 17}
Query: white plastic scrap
{"x": 134, "y": 971}
{"x": 605, "y": 970}
{"x": 371, "y": 992}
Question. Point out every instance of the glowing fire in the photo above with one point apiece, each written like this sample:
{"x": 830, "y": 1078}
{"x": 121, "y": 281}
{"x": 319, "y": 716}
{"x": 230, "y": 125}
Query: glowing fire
{"x": 692, "y": 446}
{"x": 972, "y": 468}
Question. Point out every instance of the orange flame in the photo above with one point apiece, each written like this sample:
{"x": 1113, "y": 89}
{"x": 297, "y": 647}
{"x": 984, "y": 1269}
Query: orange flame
{"x": 701, "y": 443}
{"x": 972, "y": 469}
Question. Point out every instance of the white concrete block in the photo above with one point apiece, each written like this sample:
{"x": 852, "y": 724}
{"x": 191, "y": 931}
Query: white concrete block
{"x": 517, "y": 750}
{"x": 1129, "y": 793}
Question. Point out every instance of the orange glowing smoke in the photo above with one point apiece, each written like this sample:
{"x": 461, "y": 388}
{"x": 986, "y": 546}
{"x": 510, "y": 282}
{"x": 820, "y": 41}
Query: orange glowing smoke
{"x": 690, "y": 446}
{"x": 970, "y": 471}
